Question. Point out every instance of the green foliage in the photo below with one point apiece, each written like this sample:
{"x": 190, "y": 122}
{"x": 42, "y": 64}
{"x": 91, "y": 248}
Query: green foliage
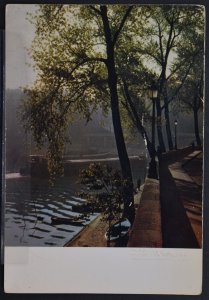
{"x": 191, "y": 63}
{"x": 70, "y": 57}
{"x": 162, "y": 47}
{"x": 190, "y": 97}
{"x": 71, "y": 80}
{"x": 43, "y": 113}
{"x": 106, "y": 188}
{"x": 69, "y": 51}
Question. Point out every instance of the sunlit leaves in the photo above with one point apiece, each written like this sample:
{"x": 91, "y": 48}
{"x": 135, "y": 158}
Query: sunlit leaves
{"x": 72, "y": 78}
{"x": 69, "y": 54}
{"x": 106, "y": 188}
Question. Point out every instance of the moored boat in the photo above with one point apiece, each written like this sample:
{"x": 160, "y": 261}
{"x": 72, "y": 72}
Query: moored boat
{"x": 118, "y": 230}
{"x": 74, "y": 221}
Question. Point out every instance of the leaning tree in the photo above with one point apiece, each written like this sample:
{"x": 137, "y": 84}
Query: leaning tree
{"x": 74, "y": 52}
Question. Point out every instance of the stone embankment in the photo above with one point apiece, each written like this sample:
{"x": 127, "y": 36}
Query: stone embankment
{"x": 146, "y": 230}
{"x": 168, "y": 211}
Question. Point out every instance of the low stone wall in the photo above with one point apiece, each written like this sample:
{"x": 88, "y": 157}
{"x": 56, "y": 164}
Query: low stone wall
{"x": 174, "y": 155}
{"x": 190, "y": 157}
{"x": 146, "y": 230}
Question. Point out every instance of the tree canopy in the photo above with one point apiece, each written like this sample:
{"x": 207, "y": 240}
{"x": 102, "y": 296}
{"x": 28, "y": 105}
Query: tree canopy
{"x": 90, "y": 56}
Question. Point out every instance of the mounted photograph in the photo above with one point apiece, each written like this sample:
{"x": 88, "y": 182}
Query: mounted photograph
{"x": 104, "y": 125}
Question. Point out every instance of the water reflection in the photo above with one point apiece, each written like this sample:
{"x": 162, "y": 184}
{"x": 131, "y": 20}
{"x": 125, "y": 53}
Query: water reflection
{"x": 30, "y": 204}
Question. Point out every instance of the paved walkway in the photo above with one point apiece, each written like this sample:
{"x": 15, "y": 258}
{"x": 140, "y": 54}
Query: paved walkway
{"x": 181, "y": 207}
{"x": 181, "y": 200}
{"x": 146, "y": 231}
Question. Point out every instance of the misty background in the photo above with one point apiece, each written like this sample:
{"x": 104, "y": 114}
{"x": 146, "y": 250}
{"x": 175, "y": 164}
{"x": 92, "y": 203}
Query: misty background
{"x": 92, "y": 138}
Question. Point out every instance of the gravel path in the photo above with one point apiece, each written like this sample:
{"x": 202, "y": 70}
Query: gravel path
{"x": 91, "y": 236}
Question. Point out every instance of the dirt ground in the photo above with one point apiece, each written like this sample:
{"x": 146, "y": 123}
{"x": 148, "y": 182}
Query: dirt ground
{"x": 93, "y": 235}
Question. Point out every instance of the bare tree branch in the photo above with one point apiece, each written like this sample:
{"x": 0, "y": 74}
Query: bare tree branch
{"x": 182, "y": 63}
{"x": 88, "y": 59}
{"x": 176, "y": 69}
{"x": 160, "y": 40}
{"x": 146, "y": 52}
{"x": 68, "y": 75}
{"x": 180, "y": 86}
{"x": 95, "y": 9}
{"x": 168, "y": 46}
{"x": 122, "y": 24}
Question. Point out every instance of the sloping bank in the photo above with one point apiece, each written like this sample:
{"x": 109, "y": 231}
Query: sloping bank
{"x": 147, "y": 227}
{"x": 146, "y": 230}
{"x": 93, "y": 235}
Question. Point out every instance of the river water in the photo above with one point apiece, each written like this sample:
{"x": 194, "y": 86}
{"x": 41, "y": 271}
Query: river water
{"x": 31, "y": 202}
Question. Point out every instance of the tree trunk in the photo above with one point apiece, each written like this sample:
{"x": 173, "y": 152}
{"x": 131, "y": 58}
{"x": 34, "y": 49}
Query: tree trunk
{"x": 159, "y": 127}
{"x": 128, "y": 198}
{"x": 168, "y": 127}
{"x": 196, "y": 127}
{"x": 136, "y": 120}
{"x": 163, "y": 92}
{"x": 167, "y": 118}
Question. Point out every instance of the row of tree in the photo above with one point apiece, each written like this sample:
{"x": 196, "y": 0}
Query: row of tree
{"x": 90, "y": 56}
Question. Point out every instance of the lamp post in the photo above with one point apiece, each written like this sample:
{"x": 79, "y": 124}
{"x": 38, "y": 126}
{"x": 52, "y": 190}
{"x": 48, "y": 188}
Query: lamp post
{"x": 153, "y": 96}
{"x": 153, "y": 91}
{"x": 175, "y": 126}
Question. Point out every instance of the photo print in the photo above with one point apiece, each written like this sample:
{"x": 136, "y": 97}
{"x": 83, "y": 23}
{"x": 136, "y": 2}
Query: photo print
{"x": 104, "y": 108}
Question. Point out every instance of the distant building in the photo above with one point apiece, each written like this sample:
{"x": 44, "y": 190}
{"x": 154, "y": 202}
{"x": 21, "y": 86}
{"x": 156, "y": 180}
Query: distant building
{"x": 90, "y": 138}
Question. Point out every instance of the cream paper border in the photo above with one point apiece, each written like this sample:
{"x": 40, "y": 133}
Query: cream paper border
{"x": 103, "y": 270}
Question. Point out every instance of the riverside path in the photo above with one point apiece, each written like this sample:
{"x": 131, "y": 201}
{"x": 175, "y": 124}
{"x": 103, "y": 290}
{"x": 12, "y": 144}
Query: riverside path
{"x": 181, "y": 198}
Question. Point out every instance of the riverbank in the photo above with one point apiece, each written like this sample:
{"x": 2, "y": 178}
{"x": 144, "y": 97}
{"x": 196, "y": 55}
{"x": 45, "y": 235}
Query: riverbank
{"x": 93, "y": 235}
{"x": 180, "y": 213}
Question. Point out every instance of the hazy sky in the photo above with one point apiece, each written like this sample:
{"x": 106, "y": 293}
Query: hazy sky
{"x": 19, "y": 35}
